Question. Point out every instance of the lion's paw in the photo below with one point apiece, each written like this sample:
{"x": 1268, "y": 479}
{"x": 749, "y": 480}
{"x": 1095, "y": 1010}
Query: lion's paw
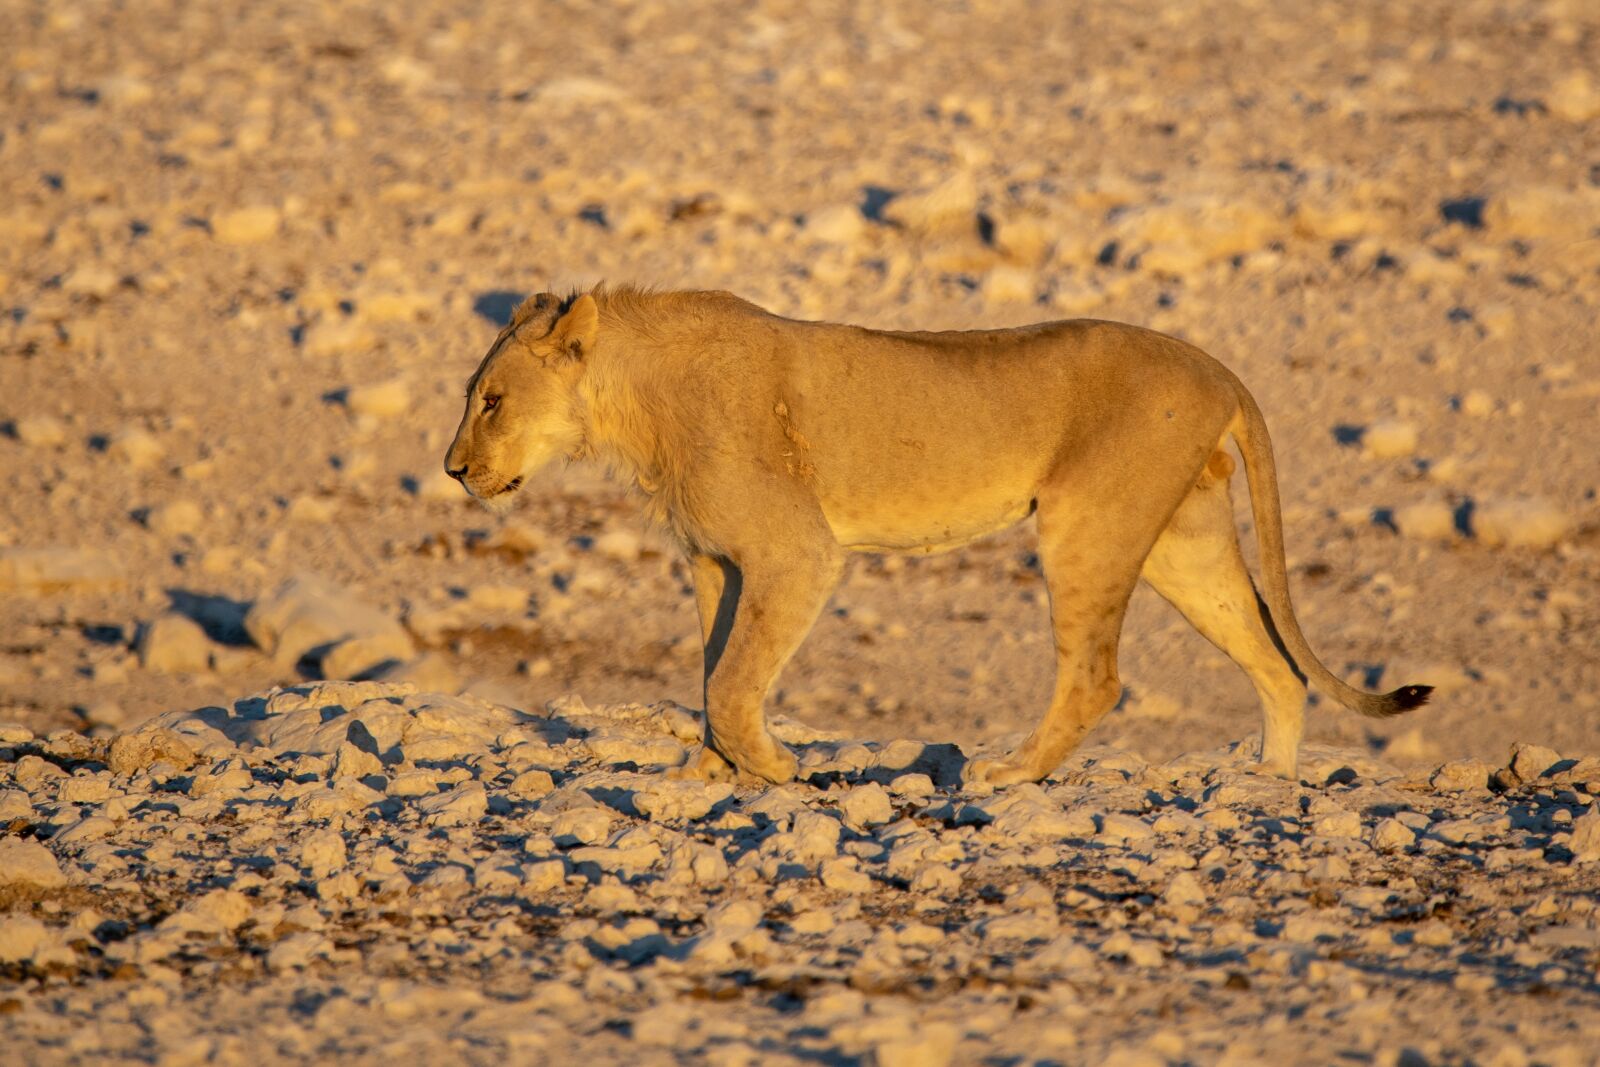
{"x": 708, "y": 765}
{"x": 777, "y": 767}
{"x": 1289, "y": 773}
{"x": 998, "y": 773}
{"x": 704, "y": 766}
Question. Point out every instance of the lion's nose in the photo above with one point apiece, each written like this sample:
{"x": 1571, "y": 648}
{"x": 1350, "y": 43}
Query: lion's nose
{"x": 458, "y": 473}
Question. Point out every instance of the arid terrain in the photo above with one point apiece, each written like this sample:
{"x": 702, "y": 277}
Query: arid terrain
{"x": 249, "y": 255}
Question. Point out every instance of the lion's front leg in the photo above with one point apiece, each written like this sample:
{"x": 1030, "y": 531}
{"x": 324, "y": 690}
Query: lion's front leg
{"x": 771, "y": 603}
{"x": 1090, "y": 575}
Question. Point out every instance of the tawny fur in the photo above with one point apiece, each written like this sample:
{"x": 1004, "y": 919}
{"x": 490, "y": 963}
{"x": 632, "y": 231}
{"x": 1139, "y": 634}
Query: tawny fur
{"x": 770, "y": 448}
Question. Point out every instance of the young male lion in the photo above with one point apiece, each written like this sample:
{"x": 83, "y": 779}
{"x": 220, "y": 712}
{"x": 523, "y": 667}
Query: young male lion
{"x": 770, "y": 448}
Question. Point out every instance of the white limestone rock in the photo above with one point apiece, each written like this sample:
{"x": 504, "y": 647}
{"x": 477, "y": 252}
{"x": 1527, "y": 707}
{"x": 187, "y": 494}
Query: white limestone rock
{"x": 839, "y": 224}
{"x": 21, "y": 936}
{"x": 544, "y": 876}
{"x": 226, "y": 778}
{"x": 1391, "y": 439}
{"x": 307, "y": 613}
{"x": 532, "y": 784}
{"x": 1008, "y": 284}
{"x": 298, "y": 951}
{"x": 339, "y": 336}
{"x": 666, "y": 800}
{"x": 1530, "y": 762}
{"x": 1427, "y": 520}
{"x": 1025, "y": 813}
{"x": 41, "y": 431}
{"x": 1584, "y": 837}
{"x": 1575, "y": 97}
{"x": 1461, "y": 776}
{"x": 14, "y": 804}
{"x": 1116, "y": 826}
{"x": 1022, "y": 925}
{"x": 844, "y": 874}
{"x": 812, "y": 836}
{"x": 174, "y": 644}
{"x": 225, "y": 909}
{"x": 1184, "y": 888}
{"x": 428, "y": 673}
{"x": 866, "y": 805}
{"x": 582, "y": 825}
{"x": 125, "y": 90}
{"x": 380, "y": 400}
{"x": 1529, "y": 522}
{"x": 949, "y": 207}
{"x": 1392, "y": 835}
{"x": 176, "y": 518}
{"x": 1337, "y": 823}
{"x": 323, "y": 852}
{"x": 463, "y": 805}
{"x": 136, "y": 448}
{"x": 351, "y": 761}
{"x": 247, "y": 225}
{"x": 148, "y": 746}
{"x": 28, "y": 863}
{"x": 56, "y": 570}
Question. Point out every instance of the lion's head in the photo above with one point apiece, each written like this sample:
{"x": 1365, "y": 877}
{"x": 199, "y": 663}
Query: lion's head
{"x": 521, "y": 404}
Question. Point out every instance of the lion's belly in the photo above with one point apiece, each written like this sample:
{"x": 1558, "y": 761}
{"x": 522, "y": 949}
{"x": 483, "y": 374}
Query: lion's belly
{"x": 922, "y": 522}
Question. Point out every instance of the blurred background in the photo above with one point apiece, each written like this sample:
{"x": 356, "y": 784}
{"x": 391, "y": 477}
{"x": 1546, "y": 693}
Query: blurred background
{"x": 249, "y": 254}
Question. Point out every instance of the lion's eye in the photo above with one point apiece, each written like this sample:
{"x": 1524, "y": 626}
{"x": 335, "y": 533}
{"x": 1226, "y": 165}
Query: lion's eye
{"x": 490, "y": 403}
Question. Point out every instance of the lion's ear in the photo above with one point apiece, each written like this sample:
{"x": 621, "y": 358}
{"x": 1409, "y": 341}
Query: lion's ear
{"x": 536, "y": 313}
{"x": 575, "y": 331}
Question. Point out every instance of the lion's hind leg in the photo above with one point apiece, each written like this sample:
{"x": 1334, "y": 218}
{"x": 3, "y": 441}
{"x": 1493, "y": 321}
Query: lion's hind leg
{"x": 1196, "y": 565}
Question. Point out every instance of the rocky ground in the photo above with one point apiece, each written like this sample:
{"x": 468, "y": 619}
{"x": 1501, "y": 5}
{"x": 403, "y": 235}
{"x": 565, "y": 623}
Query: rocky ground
{"x": 249, "y": 255}
{"x": 356, "y": 871}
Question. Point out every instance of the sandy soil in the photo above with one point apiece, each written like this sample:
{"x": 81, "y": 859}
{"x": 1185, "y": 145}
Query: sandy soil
{"x": 248, "y": 257}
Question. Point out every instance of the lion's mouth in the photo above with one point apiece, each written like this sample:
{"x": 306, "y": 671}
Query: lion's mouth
{"x": 497, "y": 495}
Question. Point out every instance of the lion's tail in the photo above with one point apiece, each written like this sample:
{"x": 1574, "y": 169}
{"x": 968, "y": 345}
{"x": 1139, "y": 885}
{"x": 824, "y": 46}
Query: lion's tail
{"x": 1249, "y": 431}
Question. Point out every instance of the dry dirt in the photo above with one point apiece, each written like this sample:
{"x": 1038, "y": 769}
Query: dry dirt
{"x": 250, "y": 253}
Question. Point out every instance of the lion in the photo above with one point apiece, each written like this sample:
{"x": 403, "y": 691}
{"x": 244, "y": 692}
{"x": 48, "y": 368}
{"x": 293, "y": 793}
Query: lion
{"x": 772, "y": 448}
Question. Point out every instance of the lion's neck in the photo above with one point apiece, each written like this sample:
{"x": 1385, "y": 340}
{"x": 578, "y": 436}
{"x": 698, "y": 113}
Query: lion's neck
{"x": 632, "y": 429}
{"x": 613, "y": 433}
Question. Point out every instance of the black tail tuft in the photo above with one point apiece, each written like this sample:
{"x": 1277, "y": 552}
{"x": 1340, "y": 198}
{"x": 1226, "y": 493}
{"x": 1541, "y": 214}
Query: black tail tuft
{"x": 1388, "y": 705}
{"x": 1408, "y": 697}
